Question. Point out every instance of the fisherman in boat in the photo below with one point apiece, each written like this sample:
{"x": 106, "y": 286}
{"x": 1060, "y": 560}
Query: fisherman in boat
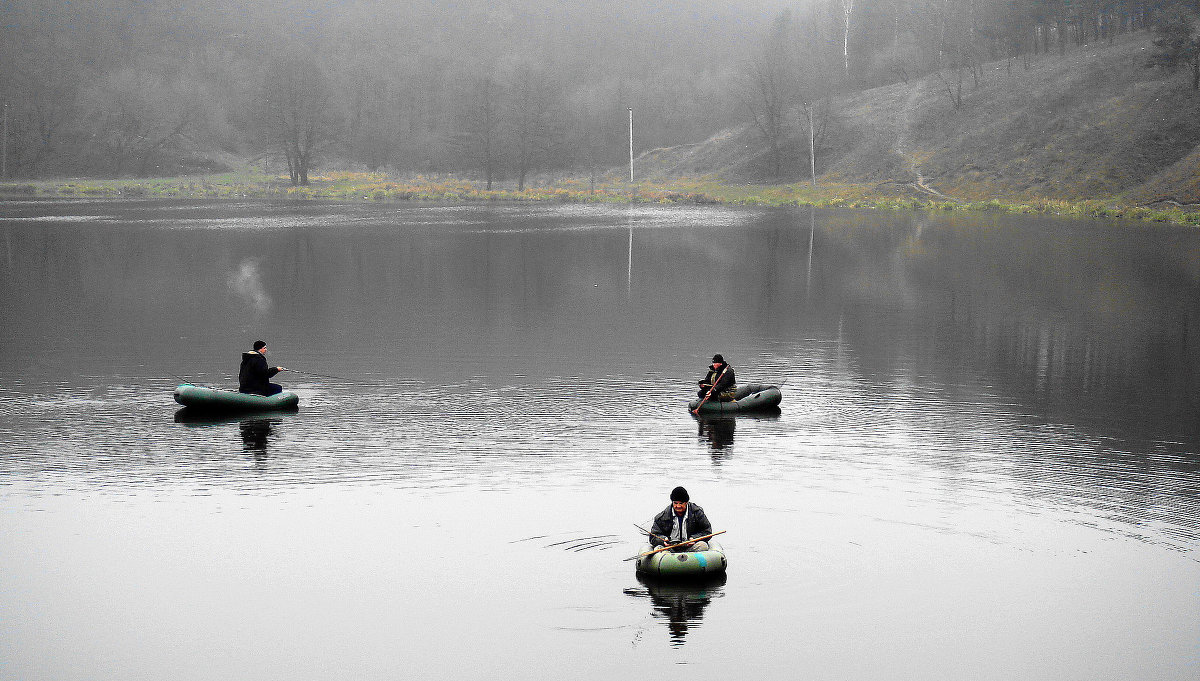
{"x": 720, "y": 380}
{"x": 254, "y": 377}
{"x": 679, "y": 522}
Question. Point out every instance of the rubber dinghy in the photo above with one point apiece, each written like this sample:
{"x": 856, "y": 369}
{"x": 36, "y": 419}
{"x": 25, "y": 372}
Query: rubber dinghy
{"x": 684, "y": 564}
{"x": 748, "y": 398}
{"x": 215, "y": 399}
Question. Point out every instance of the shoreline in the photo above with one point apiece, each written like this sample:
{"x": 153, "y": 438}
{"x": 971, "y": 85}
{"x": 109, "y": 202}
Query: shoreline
{"x": 382, "y": 188}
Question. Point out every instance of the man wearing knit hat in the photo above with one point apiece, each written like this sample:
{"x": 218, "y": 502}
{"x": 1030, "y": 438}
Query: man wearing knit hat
{"x": 720, "y": 380}
{"x": 681, "y": 521}
{"x": 254, "y": 375}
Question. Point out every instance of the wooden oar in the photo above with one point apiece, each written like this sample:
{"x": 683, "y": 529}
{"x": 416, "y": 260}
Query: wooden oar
{"x": 710, "y": 390}
{"x": 682, "y": 543}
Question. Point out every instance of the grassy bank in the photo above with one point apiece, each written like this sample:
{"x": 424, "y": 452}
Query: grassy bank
{"x": 376, "y": 187}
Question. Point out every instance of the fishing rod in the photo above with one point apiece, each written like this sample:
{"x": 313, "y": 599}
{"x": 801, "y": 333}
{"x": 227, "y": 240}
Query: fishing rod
{"x": 651, "y": 535}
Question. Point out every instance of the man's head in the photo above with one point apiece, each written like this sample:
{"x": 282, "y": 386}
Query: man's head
{"x": 717, "y": 361}
{"x": 679, "y": 500}
{"x": 260, "y": 347}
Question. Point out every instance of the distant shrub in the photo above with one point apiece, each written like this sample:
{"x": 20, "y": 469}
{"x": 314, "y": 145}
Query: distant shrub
{"x": 991, "y": 205}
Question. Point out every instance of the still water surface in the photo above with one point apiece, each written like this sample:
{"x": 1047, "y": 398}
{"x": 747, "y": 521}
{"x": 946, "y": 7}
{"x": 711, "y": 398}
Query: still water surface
{"x": 986, "y": 465}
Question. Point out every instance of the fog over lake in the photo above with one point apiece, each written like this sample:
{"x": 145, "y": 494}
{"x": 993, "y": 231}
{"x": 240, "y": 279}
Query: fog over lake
{"x": 986, "y": 464}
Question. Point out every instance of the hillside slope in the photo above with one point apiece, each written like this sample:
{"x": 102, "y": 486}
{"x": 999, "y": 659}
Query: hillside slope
{"x": 1093, "y": 123}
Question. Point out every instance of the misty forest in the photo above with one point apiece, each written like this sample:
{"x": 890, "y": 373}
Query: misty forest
{"x": 493, "y": 91}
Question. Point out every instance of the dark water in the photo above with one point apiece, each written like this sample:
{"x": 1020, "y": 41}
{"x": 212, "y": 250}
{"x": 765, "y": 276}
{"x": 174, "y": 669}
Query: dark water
{"x": 986, "y": 465}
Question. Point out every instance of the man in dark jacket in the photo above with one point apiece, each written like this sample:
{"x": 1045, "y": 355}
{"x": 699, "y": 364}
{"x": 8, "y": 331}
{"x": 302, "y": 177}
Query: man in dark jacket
{"x": 254, "y": 375}
{"x": 679, "y": 522}
{"x": 721, "y": 375}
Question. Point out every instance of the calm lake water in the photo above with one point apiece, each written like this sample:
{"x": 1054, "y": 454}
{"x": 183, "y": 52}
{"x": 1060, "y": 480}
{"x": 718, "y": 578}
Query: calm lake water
{"x": 986, "y": 466}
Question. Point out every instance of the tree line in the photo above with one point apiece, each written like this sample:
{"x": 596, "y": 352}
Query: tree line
{"x": 498, "y": 91}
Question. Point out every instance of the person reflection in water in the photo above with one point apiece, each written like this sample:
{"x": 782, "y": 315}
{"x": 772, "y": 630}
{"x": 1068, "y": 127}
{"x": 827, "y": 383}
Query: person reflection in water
{"x": 682, "y": 605}
{"x": 679, "y": 522}
{"x": 254, "y": 376}
{"x": 256, "y": 433}
{"x": 720, "y": 380}
{"x": 718, "y": 432}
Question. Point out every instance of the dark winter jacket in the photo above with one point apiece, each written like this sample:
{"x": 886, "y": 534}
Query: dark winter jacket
{"x": 726, "y": 386}
{"x": 695, "y": 523}
{"x": 255, "y": 376}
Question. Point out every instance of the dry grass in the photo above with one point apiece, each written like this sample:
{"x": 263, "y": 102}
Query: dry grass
{"x": 378, "y": 187}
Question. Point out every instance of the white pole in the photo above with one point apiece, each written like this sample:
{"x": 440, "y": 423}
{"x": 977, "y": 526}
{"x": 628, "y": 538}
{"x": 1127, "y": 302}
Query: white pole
{"x": 631, "y": 144}
{"x": 812, "y": 144}
{"x": 4, "y": 154}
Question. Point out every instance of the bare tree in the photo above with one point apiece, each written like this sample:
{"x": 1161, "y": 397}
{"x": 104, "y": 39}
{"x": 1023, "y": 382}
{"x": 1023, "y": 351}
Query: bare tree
{"x": 296, "y": 118}
{"x": 479, "y": 127}
{"x": 951, "y": 76}
{"x": 814, "y": 87}
{"x": 372, "y": 125}
{"x": 533, "y": 133}
{"x": 138, "y": 114}
{"x": 772, "y": 89}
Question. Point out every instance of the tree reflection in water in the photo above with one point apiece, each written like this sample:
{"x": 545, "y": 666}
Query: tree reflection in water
{"x": 680, "y": 603}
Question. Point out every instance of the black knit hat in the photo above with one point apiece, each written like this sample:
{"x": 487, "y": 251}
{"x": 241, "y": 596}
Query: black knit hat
{"x": 259, "y": 345}
{"x": 718, "y": 359}
{"x": 679, "y": 494}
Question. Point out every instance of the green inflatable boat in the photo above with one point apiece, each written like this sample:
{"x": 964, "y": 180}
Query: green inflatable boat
{"x": 201, "y": 398}
{"x": 684, "y": 564}
{"x": 754, "y": 397}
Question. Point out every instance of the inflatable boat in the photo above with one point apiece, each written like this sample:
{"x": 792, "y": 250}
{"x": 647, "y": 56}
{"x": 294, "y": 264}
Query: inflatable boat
{"x": 753, "y": 397}
{"x": 215, "y": 399}
{"x": 684, "y": 564}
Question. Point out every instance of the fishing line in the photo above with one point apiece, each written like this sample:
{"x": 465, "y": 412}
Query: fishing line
{"x": 337, "y": 378}
{"x": 186, "y": 381}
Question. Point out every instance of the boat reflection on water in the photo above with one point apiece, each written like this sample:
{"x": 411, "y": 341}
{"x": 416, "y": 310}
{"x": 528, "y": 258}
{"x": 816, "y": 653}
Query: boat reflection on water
{"x": 257, "y": 429}
{"x": 717, "y": 431}
{"x": 680, "y": 603}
